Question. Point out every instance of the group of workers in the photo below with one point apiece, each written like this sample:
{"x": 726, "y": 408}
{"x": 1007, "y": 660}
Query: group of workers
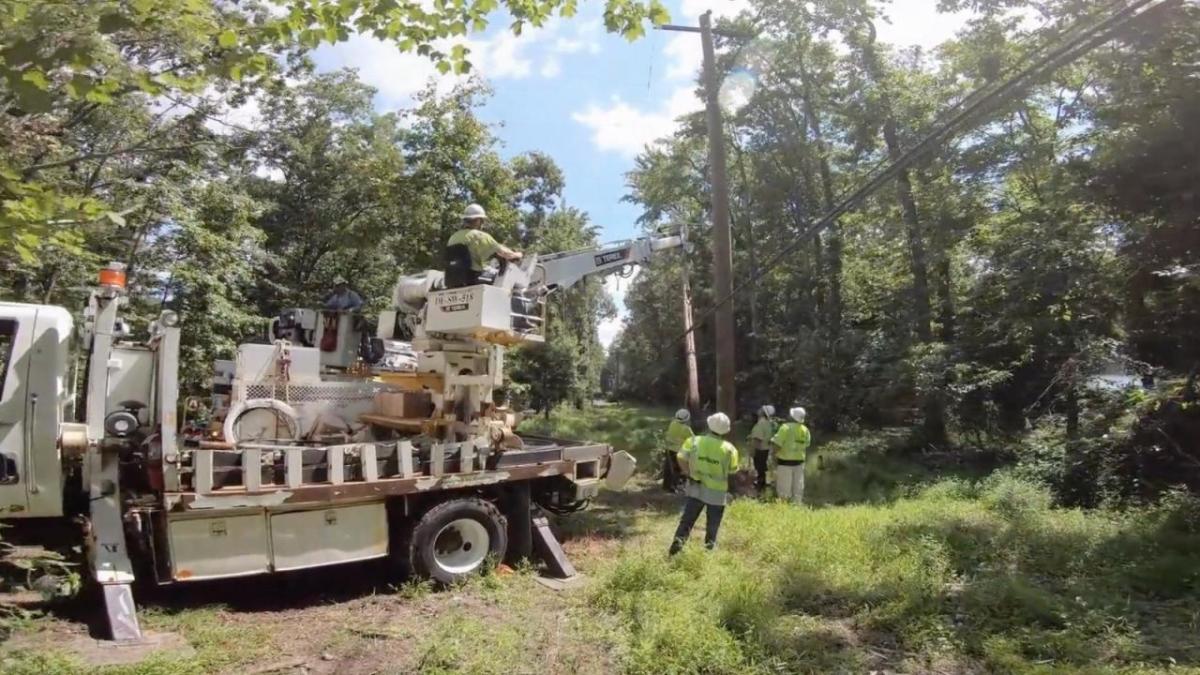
{"x": 707, "y": 462}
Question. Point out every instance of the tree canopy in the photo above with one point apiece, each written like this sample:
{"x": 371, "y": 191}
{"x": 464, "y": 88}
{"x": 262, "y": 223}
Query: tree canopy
{"x": 992, "y": 285}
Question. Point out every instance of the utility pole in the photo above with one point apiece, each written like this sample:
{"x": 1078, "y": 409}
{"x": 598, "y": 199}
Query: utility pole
{"x": 689, "y": 341}
{"x": 722, "y": 241}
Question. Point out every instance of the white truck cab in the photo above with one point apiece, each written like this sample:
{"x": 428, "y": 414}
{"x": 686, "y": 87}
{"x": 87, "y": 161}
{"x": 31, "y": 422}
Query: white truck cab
{"x": 35, "y": 400}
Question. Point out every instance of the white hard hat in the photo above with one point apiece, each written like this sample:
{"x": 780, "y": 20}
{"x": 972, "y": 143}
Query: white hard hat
{"x": 474, "y": 211}
{"x": 768, "y": 410}
{"x": 719, "y": 423}
{"x": 339, "y": 279}
{"x": 798, "y": 413}
{"x": 683, "y": 415}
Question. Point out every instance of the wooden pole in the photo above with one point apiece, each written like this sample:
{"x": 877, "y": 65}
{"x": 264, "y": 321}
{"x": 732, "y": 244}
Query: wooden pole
{"x": 722, "y": 240}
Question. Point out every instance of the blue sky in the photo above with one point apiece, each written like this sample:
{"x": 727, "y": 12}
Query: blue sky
{"x": 589, "y": 99}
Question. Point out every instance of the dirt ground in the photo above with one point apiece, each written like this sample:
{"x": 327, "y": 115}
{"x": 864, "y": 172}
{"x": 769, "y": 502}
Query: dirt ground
{"x": 357, "y": 619}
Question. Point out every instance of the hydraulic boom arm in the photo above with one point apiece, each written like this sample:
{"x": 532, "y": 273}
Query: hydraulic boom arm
{"x": 555, "y": 271}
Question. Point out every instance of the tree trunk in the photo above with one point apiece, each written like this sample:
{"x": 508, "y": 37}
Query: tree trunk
{"x": 833, "y": 247}
{"x": 935, "y": 416}
{"x": 946, "y": 297}
{"x": 1072, "y": 411}
{"x": 693, "y": 378}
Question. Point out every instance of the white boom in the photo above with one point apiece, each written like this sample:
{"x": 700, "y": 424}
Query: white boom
{"x": 555, "y": 271}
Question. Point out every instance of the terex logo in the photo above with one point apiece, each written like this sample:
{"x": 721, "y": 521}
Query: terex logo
{"x": 612, "y": 257}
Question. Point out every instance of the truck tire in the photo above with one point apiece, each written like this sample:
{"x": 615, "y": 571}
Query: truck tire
{"x": 455, "y": 539}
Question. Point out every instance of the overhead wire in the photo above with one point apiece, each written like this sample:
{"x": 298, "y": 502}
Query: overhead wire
{"x": 975, "y": 104}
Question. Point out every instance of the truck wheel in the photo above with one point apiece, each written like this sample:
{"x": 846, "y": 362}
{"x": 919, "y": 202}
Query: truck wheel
{"x": 456, "y": 539}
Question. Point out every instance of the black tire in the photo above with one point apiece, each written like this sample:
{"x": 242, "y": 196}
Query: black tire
{"x": 444, "y": 544}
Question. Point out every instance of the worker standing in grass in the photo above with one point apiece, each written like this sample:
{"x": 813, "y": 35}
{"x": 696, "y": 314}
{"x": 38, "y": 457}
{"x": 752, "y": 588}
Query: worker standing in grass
{"x": 791, "y": 449}
{"x": 709, "y": 461}
{"x": 470, "y": 249}
{"x": 679, "y": 431}
{"x": 760, "y": 438}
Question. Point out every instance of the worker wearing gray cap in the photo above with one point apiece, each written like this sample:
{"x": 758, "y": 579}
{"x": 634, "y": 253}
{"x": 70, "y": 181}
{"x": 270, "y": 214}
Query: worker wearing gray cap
{"x": 343, "y": 298}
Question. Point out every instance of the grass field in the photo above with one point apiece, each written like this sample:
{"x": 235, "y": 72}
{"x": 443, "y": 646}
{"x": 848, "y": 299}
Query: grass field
{"x": 897, "y": 567}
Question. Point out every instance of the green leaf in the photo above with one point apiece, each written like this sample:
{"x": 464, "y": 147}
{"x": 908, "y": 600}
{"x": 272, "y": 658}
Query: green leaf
{"x": 658, "y": 13}
{"x": 458, "y": 52}
{"x": 443, "y": 67}
{"x": 115, "y": 218}
{"x": 80, "y": 85}
{"x": 98, "y": 96}
{"x": 227, "y": 39}
{"x": 37, "y": 78}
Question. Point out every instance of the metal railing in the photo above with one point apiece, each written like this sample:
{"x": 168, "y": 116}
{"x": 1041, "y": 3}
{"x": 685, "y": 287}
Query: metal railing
{"x": 336, "y": 464}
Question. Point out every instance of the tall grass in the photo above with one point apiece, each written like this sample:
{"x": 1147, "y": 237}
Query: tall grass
{"x": 955, "y": 576}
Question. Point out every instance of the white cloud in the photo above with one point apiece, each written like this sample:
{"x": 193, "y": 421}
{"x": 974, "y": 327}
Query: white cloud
{"x": 683, "y": 55}
{"x": 917, "y": 22}
{"x": 683, "y": 49}
{"x": 576, "y": 45}
{"x": 394, "y": 74}
{"x": 398, "y": 75}
{"x": 505, "y": 55}
{"x": 620, "y": 127}
{"x": 550, "y": 69}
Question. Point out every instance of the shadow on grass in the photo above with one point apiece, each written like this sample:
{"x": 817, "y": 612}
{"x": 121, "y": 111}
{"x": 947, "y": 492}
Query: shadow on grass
{"x": 838, "y": 476}
{"x": 616, "y": 515}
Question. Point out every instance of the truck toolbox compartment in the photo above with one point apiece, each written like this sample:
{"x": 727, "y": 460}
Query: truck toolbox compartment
{"x": 301, "y": 539}
{"x": 212, "y": 548}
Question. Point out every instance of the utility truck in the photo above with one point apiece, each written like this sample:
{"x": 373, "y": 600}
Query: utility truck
{"x": 317, "y": 452}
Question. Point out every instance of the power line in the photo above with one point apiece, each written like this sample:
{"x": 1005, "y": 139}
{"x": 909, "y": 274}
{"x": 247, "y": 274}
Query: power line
{"x": 972, "y": 106}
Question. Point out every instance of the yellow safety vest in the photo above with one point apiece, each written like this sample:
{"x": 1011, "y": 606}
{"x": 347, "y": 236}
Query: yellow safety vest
{"x": 793, "y": 439}
{"x": 710, "y": 461}
{"x": 677, "y": 434}
{"x": 763, "y": 429}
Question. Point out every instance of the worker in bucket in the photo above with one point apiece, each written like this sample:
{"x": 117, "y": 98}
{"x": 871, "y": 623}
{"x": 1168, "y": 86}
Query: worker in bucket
{"x": 709, "y": 461}
{"x": 470, "y": 249}
{"x": 679, "y": 431}
{"x": 790, "y": 444}
{"x": 343, "y": 298}
{"x": 760, "y": 439}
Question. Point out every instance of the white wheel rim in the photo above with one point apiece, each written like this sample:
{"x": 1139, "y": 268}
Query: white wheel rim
{"x": 461, "y": 546}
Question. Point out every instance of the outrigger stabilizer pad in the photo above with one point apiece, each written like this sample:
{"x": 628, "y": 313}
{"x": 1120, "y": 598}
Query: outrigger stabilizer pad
{"x": 550, "y": 551}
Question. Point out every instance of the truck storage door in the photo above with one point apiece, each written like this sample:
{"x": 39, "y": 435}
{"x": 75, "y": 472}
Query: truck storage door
{"x": 46, "y": 397}
{"x": 16, "y": 336}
